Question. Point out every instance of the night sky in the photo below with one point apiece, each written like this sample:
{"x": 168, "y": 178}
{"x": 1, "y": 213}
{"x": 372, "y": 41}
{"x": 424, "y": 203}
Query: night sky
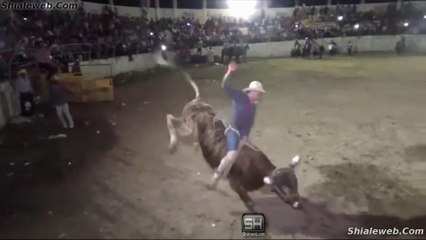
{"x": 197, "y": 4}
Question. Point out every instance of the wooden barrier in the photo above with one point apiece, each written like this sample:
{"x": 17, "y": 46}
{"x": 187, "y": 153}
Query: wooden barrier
{"x": 87, "y": 90}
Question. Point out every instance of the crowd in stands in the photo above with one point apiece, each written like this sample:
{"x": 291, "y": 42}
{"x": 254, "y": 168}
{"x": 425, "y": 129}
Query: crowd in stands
{"x": 108, "y": 34}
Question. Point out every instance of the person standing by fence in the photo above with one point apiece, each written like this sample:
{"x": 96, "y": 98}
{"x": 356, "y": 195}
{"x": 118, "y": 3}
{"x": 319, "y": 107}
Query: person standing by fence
{"x": 58, "y": 94}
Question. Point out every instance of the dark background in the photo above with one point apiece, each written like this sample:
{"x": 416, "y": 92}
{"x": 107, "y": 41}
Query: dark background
{"x": 218, "y": 4}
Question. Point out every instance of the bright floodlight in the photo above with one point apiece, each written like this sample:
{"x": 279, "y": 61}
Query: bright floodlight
{"x": 163, "y": 47}
{"x": 25, "y": 19}
{"x": 242, "y": 8}
{"x": 406, "y": 24}
{"x": 424, "y": 16}
{"x": 340, "y": 18}
{"x": 356, "y": 26}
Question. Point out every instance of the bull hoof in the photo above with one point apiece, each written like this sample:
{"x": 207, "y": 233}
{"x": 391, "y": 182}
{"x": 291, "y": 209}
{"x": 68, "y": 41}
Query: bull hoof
{"x": 250, "y": 206}
{"x": 196, "y": 146}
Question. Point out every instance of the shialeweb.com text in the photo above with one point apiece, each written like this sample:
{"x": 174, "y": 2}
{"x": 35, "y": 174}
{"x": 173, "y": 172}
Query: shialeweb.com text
{"x": 39, "y": 5}
{"x": 385, "y": 231}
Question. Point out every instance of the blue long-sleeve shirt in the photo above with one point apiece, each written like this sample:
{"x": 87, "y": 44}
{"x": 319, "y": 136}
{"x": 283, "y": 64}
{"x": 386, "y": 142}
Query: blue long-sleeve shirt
{"x": 243, "y": 110}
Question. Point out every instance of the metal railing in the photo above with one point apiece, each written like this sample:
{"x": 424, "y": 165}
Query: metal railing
{"x": 12, "y": 64}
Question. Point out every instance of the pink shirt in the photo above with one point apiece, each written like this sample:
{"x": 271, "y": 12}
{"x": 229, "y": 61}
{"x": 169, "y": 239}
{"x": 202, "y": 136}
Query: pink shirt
{"x": 43, "y": 55}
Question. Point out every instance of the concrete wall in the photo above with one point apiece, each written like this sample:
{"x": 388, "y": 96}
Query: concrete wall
{"x": 105, "y": 67}
{"x": 415, "y": 43}
{"x": 143, "y": 62}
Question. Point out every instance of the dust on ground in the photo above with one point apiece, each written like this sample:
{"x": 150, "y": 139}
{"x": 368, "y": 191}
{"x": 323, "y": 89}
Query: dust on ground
{"x": 357, "y": 122}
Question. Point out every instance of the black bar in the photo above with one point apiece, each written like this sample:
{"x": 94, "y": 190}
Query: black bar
{"x": 190, "y": 4}
{"x": 345, "y": 2}
{"x": 217, "y": 4}
{"x": 127, "y": 3}
{"x": 281, "y": 3}
{"x": 380, "y": 1}
{"x": 166, "y": 3}
{"x": 313, "y": 3}
{"x": 97, "y": 1}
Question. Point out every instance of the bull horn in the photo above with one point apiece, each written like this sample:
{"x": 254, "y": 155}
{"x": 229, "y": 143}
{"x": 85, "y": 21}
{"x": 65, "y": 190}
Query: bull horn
{"x": 296, "y": 205}
{"x": 295, "y": 161}
{"x": 267, "y": 180}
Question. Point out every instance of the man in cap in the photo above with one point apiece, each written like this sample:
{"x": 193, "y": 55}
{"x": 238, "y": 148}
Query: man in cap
{"x": 237, "y": 133}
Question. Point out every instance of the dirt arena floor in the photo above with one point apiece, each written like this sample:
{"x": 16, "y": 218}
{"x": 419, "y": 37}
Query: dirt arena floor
{"x": 359, "y": 124}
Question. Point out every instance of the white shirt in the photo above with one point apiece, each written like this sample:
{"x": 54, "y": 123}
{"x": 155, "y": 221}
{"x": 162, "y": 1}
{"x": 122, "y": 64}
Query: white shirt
{"x": 23, "y": 85}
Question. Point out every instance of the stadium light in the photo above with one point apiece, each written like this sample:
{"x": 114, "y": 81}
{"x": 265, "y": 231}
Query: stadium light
{"x": 424, "y": 16}
{"x": 356, "y": 26}
{"x": 25, "y": 19}
{"x": 406, "y": 24}
{"x": 340, "y": 18}
{"x": 151, "y": 33}
{"x": 163, "y": 47}
{"x": 242, "y": 8}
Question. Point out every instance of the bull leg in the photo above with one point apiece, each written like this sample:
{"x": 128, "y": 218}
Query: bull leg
{"x": 242, "y": 193}
{"x": 177, "y": 128}
{"x": 194, "y": 132}
{"x": 196, "y": 146}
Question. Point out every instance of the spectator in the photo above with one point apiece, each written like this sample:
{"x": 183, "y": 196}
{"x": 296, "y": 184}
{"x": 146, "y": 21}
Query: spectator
{"x": 210, "y": 56}
{"x": 199, "y": 47}
{"x": 349, "y": 47}
{"x": 59, "y": 100}
{"x": 76, "y": 67}
{"x": 110, "y": 35}
{"x": 44, "y": 60}
{"x": 321, "y": 51}
{"x": 25, "y": 92}
{"x": 245, "y": 47}
{"x": 20, "y": 49}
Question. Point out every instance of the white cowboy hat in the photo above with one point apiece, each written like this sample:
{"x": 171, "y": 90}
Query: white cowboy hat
{"x": 22, "y": 71}
{"x": 255, "y": 86}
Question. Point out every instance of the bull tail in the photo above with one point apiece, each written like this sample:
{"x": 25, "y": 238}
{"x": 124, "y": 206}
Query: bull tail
{"x": 161, "y": 61}
{"x": 193, "y": 84}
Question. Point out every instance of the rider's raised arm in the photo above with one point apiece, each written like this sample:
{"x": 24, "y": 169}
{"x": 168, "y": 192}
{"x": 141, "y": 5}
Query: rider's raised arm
{"x": 236, "y": 94}
{"x": 226, "y": 78}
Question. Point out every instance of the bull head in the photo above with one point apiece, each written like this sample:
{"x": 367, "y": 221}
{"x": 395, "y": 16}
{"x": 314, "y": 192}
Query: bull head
{"x": 283, "y": 182}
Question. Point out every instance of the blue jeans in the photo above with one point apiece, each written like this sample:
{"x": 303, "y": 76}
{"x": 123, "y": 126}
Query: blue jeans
{"x": 232, "y": 139}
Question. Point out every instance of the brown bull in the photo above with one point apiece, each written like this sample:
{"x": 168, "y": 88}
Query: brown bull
{"x": 251, "y": 170}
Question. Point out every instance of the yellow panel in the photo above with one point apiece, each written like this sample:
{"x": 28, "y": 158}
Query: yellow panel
{"x": 84, "y": 90}
{"x": 104, "y": 83}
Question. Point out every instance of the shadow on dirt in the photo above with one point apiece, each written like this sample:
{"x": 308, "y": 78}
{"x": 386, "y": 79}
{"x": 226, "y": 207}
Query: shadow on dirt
{"x": 416, "y": 153}
{"x": 29, "y": 159}
{"x": 317, "y": 220}
{"x": 335, "y": 204}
